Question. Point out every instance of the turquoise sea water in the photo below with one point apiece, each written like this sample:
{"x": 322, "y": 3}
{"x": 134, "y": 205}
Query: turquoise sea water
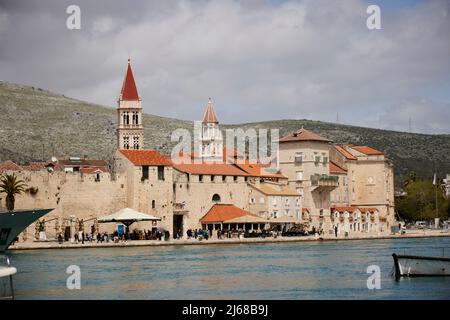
{"x": 302, "y": 270}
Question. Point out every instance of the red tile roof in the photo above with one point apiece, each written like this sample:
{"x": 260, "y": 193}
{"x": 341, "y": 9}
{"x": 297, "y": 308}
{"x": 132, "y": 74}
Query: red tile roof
{"x": 352, "y": 209}
{"x": 210, "y": 115}
{"x": 343, "y": 209}
{"x": 303, "y": 135}
{"x": 8, "y": 165}
{"x": 367, "y": 150}
{"x": 129, "y": 90}
{"x": 371, "y": 210}
{"x": 146, "y": 157}
{"x": 258, "y": 170}
{"x": 223, "y": 169}
{"x": 334, "y": 168}
{"x": 305, "y": 210}
{"x": 345, "y": 153}
{"x": 35, "y": 166}
{"x": 224, "y": 212}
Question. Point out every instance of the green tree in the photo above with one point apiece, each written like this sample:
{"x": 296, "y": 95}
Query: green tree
{"x": 420, "y": 201}
{"x": 10, "y": 185}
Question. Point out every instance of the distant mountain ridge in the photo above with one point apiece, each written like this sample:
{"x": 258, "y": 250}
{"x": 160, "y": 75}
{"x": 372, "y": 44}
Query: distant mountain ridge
{"x": 36, "y": 124}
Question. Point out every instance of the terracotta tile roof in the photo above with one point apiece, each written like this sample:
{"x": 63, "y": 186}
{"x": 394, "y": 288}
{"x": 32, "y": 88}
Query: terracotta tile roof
{"x": 352, "y": 209}
{"x": 258, "y": 170}
{"x": 224, "y": 212}
{"x": 367, "y": 150}
{"x": 334, "y": 168}
{"x": 275, "y": 190}
{"x": 345, "y": 153}
{"x": 210, "y": 115}
{"x": 35, "y": 166}
{"x": 223, "y": 169}
{"x": 129, "y": 90}
{"x": 371, "y": 210}
{"x": 146, "y": 157}
{"x": 303, "y": 135}
{"x": 8, "y": 165}
{"x": 94, "y": 170}
{"x": 343, "y": 209}
{"x": 305, "y": 210}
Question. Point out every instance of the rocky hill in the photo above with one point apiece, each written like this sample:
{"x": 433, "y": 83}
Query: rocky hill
{"x": 36, "y": 124}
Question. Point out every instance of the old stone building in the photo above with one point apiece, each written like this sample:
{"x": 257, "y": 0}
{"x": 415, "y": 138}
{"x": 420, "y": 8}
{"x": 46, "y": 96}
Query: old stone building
{"x": 304, "y": 159}
{"x": 317, "y": 183}
{"x": 130, "y": 131}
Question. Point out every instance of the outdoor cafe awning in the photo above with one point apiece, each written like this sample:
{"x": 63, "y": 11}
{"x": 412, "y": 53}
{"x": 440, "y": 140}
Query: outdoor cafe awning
{"x": 127, "y": 216}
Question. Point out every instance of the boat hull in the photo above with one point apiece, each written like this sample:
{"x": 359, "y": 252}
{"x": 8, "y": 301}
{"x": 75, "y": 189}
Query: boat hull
{"x": 420, "y": 266}
{"x": 14, "y": 222}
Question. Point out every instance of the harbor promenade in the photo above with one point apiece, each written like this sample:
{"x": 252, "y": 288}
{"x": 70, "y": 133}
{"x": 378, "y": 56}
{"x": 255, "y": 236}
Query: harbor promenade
{"x": 31, "y": 245}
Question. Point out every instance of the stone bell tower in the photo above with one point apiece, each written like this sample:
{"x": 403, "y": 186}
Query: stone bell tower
{"x": 211, "y": 144}
{"x": 130, "y": 131}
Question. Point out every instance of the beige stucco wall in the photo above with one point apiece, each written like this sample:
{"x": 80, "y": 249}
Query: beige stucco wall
{"x": 198, "y": 195}
{"x": 313, "y": 200}
{"x": 274, "y": 203}
{"x": 71, "y": 194}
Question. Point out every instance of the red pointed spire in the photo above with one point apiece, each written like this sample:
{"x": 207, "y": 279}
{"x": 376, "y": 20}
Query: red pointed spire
{"x": 210, "y": 114}
{"x": 129, "y": 90}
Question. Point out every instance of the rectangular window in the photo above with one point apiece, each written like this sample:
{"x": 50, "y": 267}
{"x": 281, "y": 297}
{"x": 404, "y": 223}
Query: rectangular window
{"x": 144, "y": 172}
{"x": 317, "y": 160}
{"x": 161, "y": 173}
{"x": 299, "y": 175}
{"x": 298, "y": 157}
{"x": 325, "y": 160}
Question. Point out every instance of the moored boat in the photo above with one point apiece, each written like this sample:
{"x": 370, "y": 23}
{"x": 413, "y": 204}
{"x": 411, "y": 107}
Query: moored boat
{"x": 8, "y": 271}
{"x": 12, "y": 223}
{"x": 420, "y": 266}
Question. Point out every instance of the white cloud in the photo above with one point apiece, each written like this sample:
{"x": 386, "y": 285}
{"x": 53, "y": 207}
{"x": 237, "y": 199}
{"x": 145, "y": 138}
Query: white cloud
{"x": 259, "y": 61}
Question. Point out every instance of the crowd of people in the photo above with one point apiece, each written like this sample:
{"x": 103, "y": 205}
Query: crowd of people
{"x": 101, "y": 237}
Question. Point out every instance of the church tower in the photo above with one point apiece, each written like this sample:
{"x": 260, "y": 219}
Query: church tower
{"x": 211, "y": 143}
{"x": 130, "y": 131}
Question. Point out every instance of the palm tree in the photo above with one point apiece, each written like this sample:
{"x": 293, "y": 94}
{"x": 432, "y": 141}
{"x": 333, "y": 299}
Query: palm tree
{"x": 10, "y": 185}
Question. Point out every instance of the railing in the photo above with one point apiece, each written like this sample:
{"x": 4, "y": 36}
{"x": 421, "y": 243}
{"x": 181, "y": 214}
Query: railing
{"x": 131, "y": 126}
{"x": 324, "y": 180}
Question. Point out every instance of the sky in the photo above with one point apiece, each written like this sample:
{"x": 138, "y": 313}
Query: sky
{"x": 257, "y": 60}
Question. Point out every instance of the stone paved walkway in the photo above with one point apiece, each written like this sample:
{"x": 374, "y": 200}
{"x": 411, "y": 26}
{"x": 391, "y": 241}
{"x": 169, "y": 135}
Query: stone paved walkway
{"x": 30, "y": 245}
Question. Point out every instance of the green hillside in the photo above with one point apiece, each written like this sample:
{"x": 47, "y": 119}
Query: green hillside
{"x": 36, "y": 124}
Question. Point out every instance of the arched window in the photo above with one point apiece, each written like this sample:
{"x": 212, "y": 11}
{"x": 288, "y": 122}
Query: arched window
{"x": 136, "y": 142}
{"x": 135, "y": 118}
{"x": 126, "y": 142}
{"x": 216, "y": 198}
{"x": 126, "y": 118}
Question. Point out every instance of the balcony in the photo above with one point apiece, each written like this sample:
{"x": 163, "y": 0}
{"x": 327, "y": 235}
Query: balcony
{"x": 131, "y": 126}
{"x": 324, "y": 181}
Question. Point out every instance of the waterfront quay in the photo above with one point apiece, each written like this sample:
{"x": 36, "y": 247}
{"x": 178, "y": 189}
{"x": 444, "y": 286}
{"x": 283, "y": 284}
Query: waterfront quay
{"x": 214, "y": 241}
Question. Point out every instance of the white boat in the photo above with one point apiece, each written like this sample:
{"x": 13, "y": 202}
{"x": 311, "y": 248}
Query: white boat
{"x": 5, "y": 272}
{"x": 420, "y": 266}
{"x": 12, "y": 223}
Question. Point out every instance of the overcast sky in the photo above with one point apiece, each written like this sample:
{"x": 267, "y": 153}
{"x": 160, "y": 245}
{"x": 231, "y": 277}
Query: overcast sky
{"x": 257, "y": 60}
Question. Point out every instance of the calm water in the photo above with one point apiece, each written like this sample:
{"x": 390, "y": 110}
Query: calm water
{"x": 313, "y": 270}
